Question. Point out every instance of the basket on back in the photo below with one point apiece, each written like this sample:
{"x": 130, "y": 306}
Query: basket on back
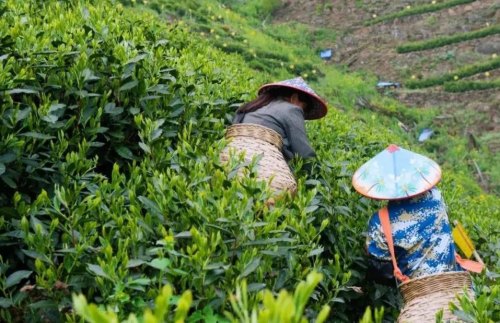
{"x": 256, "y": 140}
{"x": 425, "y": 296}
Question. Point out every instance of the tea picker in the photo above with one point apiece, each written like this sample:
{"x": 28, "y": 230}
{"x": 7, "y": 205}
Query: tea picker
{"x": 410, "y": 239}
{"x": 271, "y": 130}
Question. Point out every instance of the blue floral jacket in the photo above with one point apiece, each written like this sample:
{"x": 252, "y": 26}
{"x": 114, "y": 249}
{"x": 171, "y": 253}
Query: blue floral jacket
{"x": 422, "y": 236}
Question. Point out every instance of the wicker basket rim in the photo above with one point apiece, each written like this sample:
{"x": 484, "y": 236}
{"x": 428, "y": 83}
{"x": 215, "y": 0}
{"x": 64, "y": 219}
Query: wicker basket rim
{"x": 443, "y": 274}
{"x": 264, "y": 128}
{"x": 272, "y": 136}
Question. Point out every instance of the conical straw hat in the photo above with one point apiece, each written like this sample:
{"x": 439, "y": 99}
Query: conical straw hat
{"x": 318, "y": 109}
{"x": 396, "y": 173}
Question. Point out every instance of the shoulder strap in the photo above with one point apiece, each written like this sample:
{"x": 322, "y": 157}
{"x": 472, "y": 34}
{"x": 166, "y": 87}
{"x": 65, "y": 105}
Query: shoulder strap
{"x": 383, "y": 214}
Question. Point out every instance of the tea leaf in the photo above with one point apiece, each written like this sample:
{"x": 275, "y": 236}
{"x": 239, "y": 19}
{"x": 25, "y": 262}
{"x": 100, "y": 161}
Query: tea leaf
{"x": 124, "y": 152}
{"x": 24, "y": 91}
{"x": 97, "y": 270}
{"x": 135, "y": 263}
{"x": 315, "y": 252}
{"x": 36, "y": 135}
{"x": 160, "y": 263}
{"x": 129, "y": 85}
{"x": 16, "y": 277}
{"x": 250, "y": 267}
{"x": 5, "y": 302}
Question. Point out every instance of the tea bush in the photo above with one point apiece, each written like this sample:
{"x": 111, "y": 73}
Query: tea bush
{"x": 227, "y": 30}
{"x": 417, "y": 10}
{"x": 463, "y": 86}
{"x": 446, "y": 40}
{"x": 285, "y": 308}
{"x": 112, "y": 186}
{"x": 259, "y": 9}
{"x": 465, "y": 71}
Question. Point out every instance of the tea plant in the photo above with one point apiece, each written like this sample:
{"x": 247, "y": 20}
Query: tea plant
{"x": 462, "y": 72}
{"x": 446, "y": 40}
{"x": 463, "y": 86}
{"x": 112, "y": 186}
{"x": 417, "y": 10}
{"x": 282, "y": 309}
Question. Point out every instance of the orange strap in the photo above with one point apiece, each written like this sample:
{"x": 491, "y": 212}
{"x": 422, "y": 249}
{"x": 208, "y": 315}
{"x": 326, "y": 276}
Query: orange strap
{"x": 383, "y": 214}
{"x": 469, "y": 265}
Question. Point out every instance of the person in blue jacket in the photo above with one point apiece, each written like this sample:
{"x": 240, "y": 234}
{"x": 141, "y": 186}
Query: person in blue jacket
{"x": 417, "y": 214}
{"x": 422, "y": 237}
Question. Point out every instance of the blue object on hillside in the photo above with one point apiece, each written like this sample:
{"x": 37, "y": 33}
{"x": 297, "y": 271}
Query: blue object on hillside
{"x": 326, "y": 54}
{"x": 383, "y": 85}
{"x": 425, "y": 134}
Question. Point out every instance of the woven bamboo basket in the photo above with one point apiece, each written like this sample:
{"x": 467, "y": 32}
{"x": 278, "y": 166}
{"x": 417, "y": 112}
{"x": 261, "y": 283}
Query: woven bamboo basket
{"x": 425, "y": 296}
{"x": 254, "y": 140}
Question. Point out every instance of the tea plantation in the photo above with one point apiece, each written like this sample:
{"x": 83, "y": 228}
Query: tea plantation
{"x": 114, "y": 205}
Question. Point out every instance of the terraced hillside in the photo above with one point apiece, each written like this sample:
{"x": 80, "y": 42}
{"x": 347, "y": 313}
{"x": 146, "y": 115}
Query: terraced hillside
{"x": 365, "y": 43}
{"x": 115, "y": 206}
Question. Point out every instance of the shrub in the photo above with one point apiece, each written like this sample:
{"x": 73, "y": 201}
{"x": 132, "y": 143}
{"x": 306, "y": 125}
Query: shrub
{"x": 259, "y": 9}
{"x": 463, "y": 86}
{"x": 417, "y": 10}
{"x": 282, "y": 309}
{"x": 446, "y": 40}
{"x": 465, "y": 71}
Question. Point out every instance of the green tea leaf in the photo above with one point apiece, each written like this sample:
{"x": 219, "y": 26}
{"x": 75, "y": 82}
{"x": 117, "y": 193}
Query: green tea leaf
{"x": 9, "y": 181}
{"x": 124, "y": 152}
{"x": 250, "y": 267}
{"x": 36, "y": 255}
{"x": 16, "y": 277}
{"x": 23, "y": 91}
{"x": 36, "y": 135}
{"x": 160, "y": 263}
{"x": 135, "y": 263}
{"x": 97, "y": 270}
{"x": 140, "y": 281}
{"x": 129, "y": 85}
{"x": 5, "y": 302}
{"x": 316, "y": 252}
{"x": 8, "y": 157}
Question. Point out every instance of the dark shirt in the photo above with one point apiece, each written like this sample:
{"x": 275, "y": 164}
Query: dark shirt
{"x": 287, "y": 120}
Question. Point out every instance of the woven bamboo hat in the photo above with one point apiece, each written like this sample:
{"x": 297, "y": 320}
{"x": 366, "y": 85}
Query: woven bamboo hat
{"x": 318, "y": 109}
{"x": 396, "y": 173}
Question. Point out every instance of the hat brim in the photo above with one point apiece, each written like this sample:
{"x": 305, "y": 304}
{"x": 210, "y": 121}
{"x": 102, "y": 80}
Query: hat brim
{"x": 395, "y": 176}
{"x": 318, "y": 109}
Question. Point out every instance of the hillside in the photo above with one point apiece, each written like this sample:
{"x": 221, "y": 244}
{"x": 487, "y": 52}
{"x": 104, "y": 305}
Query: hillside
{"x": 115, "y": 206}
{"x": 373, "y": 48}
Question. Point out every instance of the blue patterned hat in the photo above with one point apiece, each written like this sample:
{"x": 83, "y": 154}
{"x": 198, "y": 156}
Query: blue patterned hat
{"x": 318, "y": 109}
{"x": 396, "y": 173}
